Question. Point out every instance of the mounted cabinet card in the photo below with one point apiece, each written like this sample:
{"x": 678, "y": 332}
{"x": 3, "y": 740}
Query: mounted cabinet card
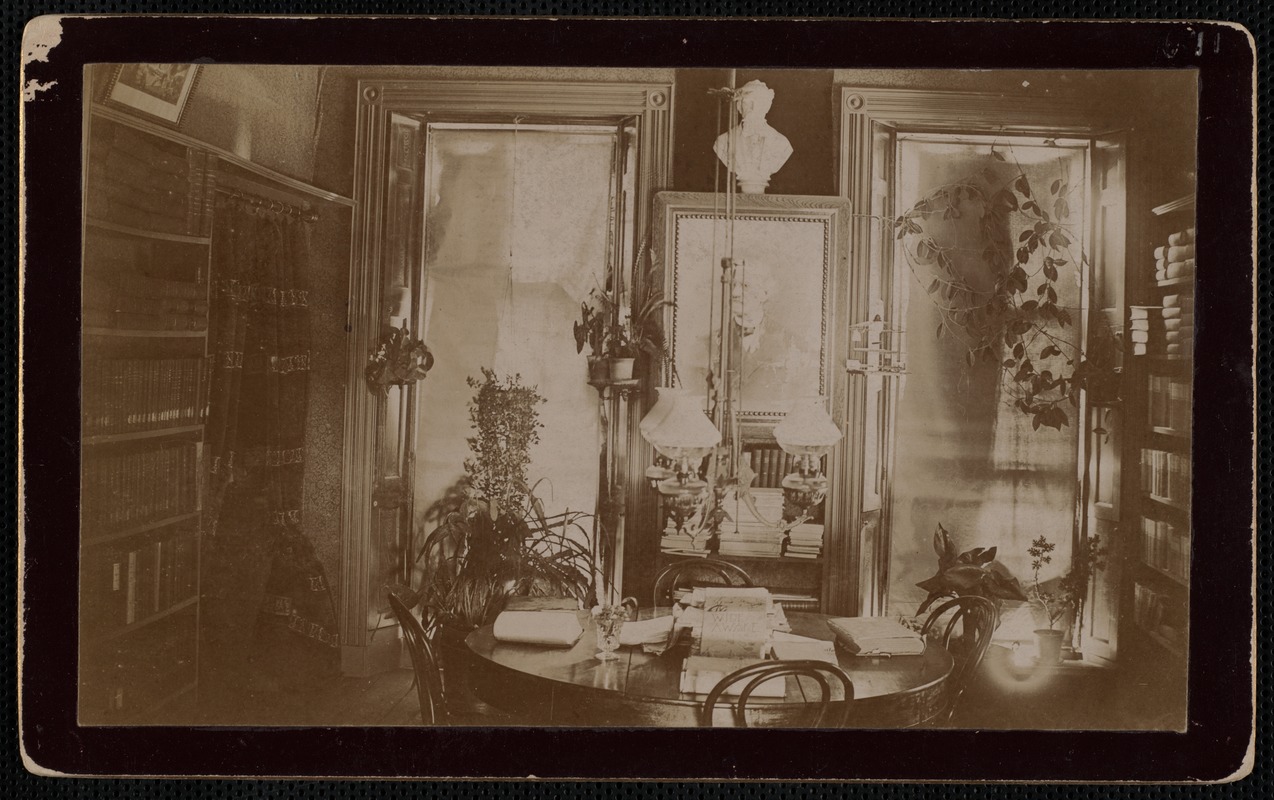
{"x": 485, "y": 417}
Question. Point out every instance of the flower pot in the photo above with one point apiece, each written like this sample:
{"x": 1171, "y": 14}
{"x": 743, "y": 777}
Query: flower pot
{"x": 1050, "y": 645}
{"x": 621, "y": 369}
{"x": 598, "y": 369}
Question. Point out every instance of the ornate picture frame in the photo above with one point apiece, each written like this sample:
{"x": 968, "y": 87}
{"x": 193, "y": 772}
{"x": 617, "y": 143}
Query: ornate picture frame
{"x": 791, "y": 248}
{"x": 156, "y": 91}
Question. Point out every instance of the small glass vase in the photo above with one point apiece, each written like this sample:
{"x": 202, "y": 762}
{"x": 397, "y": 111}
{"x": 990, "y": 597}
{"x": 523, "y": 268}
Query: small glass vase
{"x": 609, "y": 621}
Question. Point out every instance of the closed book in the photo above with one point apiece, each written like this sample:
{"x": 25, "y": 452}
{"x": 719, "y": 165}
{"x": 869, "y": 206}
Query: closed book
{"x": 554, "y": 628}
{"x": 1181, "y": 237}
{"x": 866, "y": 636}
{"x": 1180, "y": 270}
{"x": 1146, "y": 325}
{"x": 701, "y": 674}
{"x": 1142, "y": 312}
{"x": 1145, "y": 336}
{"x": 1183, "y": 301}
{"x": 793, "y": 647}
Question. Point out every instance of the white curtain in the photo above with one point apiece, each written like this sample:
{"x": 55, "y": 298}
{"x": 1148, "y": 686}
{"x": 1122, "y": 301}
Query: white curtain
{"x": 517, "y": 233}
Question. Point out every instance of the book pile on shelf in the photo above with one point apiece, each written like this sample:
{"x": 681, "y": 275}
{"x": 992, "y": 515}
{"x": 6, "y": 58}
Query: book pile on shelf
{"x": 1159, "y": 613}
{"x": 1165, "y": 547}
{"x": 1178, "y": 324}
{"x": 805, "y": 541}
{"x": 143, "y": 182}
{"x": 122, "y": 395}
{"x": 137, "y": 302}
{"x": 1175, "y": 260}
{"x": 134, "y": 487}
{"x": 133, "y": 584}
{"x": 1165, "y": 476}
{"x": 1169, "y": 404}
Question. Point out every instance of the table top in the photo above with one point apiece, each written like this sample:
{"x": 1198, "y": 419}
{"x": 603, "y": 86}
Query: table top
{"x": 636, "y": 678}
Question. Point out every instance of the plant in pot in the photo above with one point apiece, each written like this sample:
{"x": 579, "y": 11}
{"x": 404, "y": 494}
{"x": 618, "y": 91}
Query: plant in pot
{"x": 590, "y": 329}
{"x": 1053, "y": 606}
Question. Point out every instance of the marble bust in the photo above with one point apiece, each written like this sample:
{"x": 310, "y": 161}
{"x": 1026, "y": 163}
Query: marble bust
{"x": 756, "y": 150}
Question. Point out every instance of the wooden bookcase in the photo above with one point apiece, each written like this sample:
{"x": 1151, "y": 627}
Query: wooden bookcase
{"x": 1158, "y": 537}
{"x": 144, "y": 403}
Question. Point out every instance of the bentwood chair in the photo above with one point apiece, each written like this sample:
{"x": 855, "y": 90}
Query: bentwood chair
{"x": 697, "y": 571}
{"x": 429, "y": 688}
{"x": 753, "y": 675}
{"x": 976, "y": 618}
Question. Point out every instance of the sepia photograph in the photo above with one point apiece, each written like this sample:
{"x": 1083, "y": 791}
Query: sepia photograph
{"x": 583, "y": 397}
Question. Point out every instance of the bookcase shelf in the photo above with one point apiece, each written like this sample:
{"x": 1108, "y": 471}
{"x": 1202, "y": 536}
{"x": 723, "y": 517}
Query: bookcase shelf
{"x": 136, "y": 530}
{"x": 129, "y": 230}
{"x": 112, "y": 635}
{"x": 1157, "y": 573}
{"x": 135, "y": 436}
{"x": 146, "y": 263}
{"x": 1184, "y": 280}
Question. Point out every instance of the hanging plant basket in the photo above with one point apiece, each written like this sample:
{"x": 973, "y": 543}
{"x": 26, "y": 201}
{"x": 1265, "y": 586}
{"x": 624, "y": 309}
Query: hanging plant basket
{"x": 400, "y": 359}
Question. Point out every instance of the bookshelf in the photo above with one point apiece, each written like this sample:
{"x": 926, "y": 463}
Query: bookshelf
{"x": 1156, "y": 596}
{"x": 144, "y": 376}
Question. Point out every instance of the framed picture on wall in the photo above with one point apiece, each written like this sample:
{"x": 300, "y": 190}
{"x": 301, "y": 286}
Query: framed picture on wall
{"x": 786, "y": 250}
{"x": 158, "y": 91}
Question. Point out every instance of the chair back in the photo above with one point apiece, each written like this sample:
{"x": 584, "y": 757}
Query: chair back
{"x": 756, "y": 674}
{"x": 708, "y": 571}
{"x": 976, "y": 618}
{"x": 429, "y": 689}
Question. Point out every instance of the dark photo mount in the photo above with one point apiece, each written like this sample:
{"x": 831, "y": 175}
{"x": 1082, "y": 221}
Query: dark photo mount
{"x": 1218, "y": 740}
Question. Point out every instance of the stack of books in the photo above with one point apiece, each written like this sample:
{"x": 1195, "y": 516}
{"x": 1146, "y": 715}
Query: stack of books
{"x": 137, "y": 583}
{"x": 135, "y": 394}
{"x": 805, "y": 541}
{"x": 1165, "y": 547}
{"x": 1165, "y": 476}
{"x": 137, "y": 302}
{"x": 1169, "y": 401}
{"x": 143, "y": 182}
{"x": 121, "y": 490}
{"x": 1146, "y": 330}
{"x": 1178, "y": 322}
{"x": 1176, "y": 258}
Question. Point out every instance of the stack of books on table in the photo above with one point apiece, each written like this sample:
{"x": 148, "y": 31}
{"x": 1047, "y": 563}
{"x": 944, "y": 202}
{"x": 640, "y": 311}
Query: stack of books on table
{"x": 1178, "y": 322}
{"x": 733, "y": 631}
{"x": 805, "y": 541}
{"x": 1176, "y": 258}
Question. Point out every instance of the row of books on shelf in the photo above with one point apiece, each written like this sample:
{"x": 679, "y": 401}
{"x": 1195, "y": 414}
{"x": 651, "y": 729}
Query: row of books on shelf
{"x": 1176, "y": 258}
{"x": 139, "y": 302}
{"x": 131, "y": 583}
{"x": 122, "y": 395}
{"x": 135, "y": 673}
{"x": 1166, "y": 547}
{"x": 141, "y": 181}
{"x": 134, "y": 487}
{"x": 771, "y": 465}
{"x": 1166, "y": 475}
{"x": 1161, "y": 613}
{"x": 1169, "y": 403}
{"x": 1166, "y": 329}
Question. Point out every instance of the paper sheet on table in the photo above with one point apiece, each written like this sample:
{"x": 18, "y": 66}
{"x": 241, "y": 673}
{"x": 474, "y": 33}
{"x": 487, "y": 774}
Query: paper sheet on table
{"x": 646, "y": 631}
{"x": 557, "y": 628}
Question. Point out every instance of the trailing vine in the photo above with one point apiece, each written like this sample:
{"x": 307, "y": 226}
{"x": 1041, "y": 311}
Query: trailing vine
{"x": 1006, "y": 309}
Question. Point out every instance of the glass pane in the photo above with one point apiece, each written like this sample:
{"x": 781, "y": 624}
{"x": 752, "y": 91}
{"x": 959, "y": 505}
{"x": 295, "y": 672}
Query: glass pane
{"x": 517, "y": 229}
{"x": 966, "y": 457}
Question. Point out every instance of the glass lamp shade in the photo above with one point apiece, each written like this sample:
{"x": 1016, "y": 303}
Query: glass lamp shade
{"x": 807, "y": 430}
{"x": 685, "y": 432}
{"x": 660, "y": 410}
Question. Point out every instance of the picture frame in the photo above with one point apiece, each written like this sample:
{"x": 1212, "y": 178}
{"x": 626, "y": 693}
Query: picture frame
{"x": 156, "y": 91}
{"x": 788, "y": 247}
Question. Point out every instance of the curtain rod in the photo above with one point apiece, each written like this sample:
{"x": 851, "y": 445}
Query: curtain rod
{"x": 276, "y": 206}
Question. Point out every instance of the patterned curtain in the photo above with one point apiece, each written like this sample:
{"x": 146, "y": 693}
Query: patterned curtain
{"x": 269, "y": 609}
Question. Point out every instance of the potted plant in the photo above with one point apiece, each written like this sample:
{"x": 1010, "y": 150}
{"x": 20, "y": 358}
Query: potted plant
{"x": 590, "y": 330}
{"x": 1053, "y": 606}
{"x": 969, "y": 573}
{"x": 399, "y": 359}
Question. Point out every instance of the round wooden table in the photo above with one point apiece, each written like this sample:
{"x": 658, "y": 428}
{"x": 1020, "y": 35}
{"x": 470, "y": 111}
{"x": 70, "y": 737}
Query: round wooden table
{"x": 569, "y": 686}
